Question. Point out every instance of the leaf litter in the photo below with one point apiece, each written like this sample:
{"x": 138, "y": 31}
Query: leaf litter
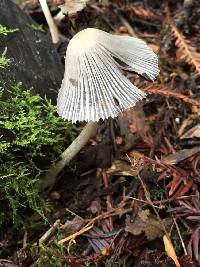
{"x": 118, "y": 201}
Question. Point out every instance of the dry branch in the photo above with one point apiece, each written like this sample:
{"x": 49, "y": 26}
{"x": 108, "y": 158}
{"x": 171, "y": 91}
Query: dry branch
{"x": 164, "y": 91}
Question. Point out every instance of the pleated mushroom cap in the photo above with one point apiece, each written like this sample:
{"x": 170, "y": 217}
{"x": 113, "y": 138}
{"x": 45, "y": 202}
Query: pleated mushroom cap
{"x": 94, "y": 87}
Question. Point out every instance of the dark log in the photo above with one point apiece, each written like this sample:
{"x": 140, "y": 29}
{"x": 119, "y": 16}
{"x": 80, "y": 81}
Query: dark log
{"x": 33, "y": 58}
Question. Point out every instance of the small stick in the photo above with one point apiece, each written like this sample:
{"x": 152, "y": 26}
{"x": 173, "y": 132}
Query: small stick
{"x": 179, "y": 234}
{"x": 127, "y": 25}
{"x": 109, "y": 202}
{"x": 147, "y": 195}
{"x": 49, "y": 232}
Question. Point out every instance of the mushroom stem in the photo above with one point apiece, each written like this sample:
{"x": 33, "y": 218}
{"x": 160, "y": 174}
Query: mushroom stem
{"x": 49, "y": 179}
{"x": 52, "y": 26}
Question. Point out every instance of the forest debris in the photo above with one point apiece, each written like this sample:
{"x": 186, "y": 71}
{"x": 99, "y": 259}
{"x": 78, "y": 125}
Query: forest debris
{"x": 192, "y": 133}
{"x": 95, "y": 206}
{"x": 99, "y": 240}
{"x": 185, "y": 123}
{"x": 141, "y": 12}
{"x": 182, "y": 190}
{"x": 170, "y": 250}
{"x": 186, "y": 261}
{"x": 180, "y": 155}
{"x": 132, "y": 121}
{"x": 193, "y": 245}
{"x": 164, "y": 91}
{"x": 180, "y": 183}
{"x": 54, "y": 195}
{"x": 112, "y": 212}
{"x": 189, "y": 210}
{"x": 127, "y": 25}
{"x": 8, "y": 263}
{"x": 185, "y": 49}
{"x": 74, "y": 225}
{"x": 121, "y": 167}
{"x": 18, "y": 260}
{"x": 147, "y": 223}
{"x": 50, "y": 232}
{"x": 154, "y": 47}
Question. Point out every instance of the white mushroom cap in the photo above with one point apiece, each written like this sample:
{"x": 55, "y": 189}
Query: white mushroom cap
{"x": 93, "y": 87}
{"x": 69, "y": 8}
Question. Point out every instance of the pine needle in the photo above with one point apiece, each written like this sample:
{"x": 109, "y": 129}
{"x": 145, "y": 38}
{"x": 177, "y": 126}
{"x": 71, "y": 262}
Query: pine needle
{"x": 186, "y": 51}
{"x": 164, "y": 91}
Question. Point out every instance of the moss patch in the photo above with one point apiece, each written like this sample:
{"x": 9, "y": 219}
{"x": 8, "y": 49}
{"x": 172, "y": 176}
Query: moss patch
{"x": 31, "y": 138}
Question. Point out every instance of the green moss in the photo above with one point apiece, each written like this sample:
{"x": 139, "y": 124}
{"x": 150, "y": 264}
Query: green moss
{"x": 51, "y": 254}
{"x": 31, "y": 138}
{"x": 6, "y": 31}
{"x": 4, "y": 61}
{"x": 37, "y": 27}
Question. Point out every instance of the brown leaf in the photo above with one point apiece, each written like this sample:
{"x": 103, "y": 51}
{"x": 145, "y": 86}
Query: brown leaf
{"x": 122, "y": 167}
{"x": 186, "y": 261}
{"x": 95, "y": 206}
{"x": 193, "y": 132}
{"x": 180, "y": 155}
{"x": 73, "y": 225}
{"x": 170, "y": 250}
{"x": 146, "y": 223}
{"x": 8, "y": 263}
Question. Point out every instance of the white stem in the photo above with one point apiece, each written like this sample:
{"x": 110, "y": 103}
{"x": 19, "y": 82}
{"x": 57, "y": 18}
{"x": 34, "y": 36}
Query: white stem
{"x": 49, "y": 178}
{"x": 52, "y": 26}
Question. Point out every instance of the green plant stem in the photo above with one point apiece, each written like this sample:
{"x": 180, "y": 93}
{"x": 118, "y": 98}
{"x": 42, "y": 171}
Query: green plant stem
{"x": 49, "y": 179}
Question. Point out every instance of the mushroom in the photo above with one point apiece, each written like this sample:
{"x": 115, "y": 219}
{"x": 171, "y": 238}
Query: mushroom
{"x": 94, "y": 87}
{"x": 71, "y": 8}
{"x": 52, "y": 26}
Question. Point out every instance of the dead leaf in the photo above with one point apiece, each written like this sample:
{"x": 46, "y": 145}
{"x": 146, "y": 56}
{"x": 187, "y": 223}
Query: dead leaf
{"x": 180, "y": 155}
{"x": 120, "y": 167}
{"x": 146, "y": 223}
{"x": 73, "y": 225}
{"x": 8, "y": 263}
{"x": 193, "y": 132}
{"x": 125, "y": 168}
{"x": 95, "y": 206}
{"x": 170, "y": 250}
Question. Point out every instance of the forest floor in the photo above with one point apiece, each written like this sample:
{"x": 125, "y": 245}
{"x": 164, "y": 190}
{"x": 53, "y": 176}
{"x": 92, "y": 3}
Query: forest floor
{"x": 132, "y": 195}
